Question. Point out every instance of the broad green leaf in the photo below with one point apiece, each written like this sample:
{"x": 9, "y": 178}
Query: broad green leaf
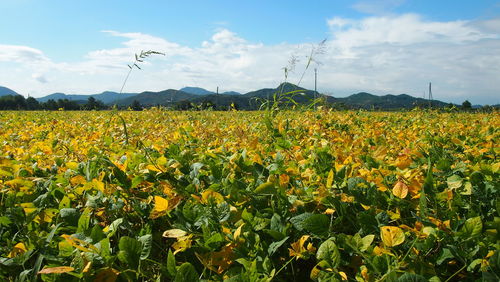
{"x": 472, "y": 227}
{"x": 411, "y": 277}
{"x": 454, "y": 182}
{"x": 273, "y": 247}
{"x": 84, "y": 221}
{"x": 444, "y": 255}
{"x": 147, "y": 244}
{"x": 298, "y": 221}
{"x": 171, "y": 264}
{"x": 186, "y": 272}
{"x": 97, "y": 234}
{"x": 265, "y": 188}
{"x": 317, "y": 224}
{"x": 130, "y": 251}
{"x": 113, "y": 227}
{"x": 70, "y": 216}
{"x": 366, "y": 242}
{"x": 329, "y": 252}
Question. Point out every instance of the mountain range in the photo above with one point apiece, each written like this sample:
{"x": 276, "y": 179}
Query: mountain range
{"x": 249, "y": 101}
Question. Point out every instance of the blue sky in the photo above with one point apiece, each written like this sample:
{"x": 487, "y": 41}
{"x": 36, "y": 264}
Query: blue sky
{"x": 379, "y": 46}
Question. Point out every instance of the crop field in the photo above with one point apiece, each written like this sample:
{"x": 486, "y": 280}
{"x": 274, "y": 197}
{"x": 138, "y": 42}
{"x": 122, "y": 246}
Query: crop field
{"x": 248, "y": 196}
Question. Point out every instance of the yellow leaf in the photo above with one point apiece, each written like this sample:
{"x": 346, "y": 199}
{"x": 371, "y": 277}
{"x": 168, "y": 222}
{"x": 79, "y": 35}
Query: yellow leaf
{"x": 182, "y": 244}
{"x": 77, "y": 180}
{"x": 18, "y": 249}
{"x": 107, "y": 275}
{"x": 284, "y": 180}
{"x": 87, "y": 267}
{"x": 160, "y": 208}
{"x": 392, "y": 236}
{"x": 72, "y": 165}
{"x": 329, "y": 179}
{"x": 380, "y": 251}
{"x": 207, "y": 194}
{"x": 329, "y": 211}
{"x": 174, "y": 233}
{"x": 343, "y": 275}
{"x": 298, "y": 250}
{"x": 400, "y": 190}
{"x": 28, "y": 207}
{"x": 237, "y": 233}
{"x": 99, "y": 185}
{"x": 58, "y": 269}
{"x": 80, "y": 244}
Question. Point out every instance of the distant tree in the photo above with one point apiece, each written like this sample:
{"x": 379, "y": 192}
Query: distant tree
{"x": 466, "y": 105}
{"x": 183, "y": 105}
{"x": 12, "y": 102}
{"x": 136, "y": 106}
{"x": 32, "y": 104}
{"x": 93, "y": 104}
{"x": 50, "y": 105}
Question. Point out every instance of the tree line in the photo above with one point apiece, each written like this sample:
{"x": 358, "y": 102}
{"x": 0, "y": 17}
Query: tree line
{"x": 18, "y": 102}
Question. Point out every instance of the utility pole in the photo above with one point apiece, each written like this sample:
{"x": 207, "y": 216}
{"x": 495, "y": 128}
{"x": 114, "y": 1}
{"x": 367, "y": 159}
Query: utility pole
{"x": 315, "y": 86}
{"x": 430, "y": 95}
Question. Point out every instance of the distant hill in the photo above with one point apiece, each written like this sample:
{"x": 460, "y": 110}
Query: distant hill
{"x": 387, "y": 102}
{"x": 107, "y": 97}
{"x": 248, "y": 101}
{"x": 201, "y": 91}
{"x": 4, "y": 91}
{"x": 165, "y": 97}
{"x": 196, "y": 91}
{"x": 231, "y": 93}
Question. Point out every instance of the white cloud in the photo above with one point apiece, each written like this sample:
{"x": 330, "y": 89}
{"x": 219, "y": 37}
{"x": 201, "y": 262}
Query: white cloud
{"x": 403, "y": 53}
{"x": 378, "y": 54}
{"x": 21, "y": 54}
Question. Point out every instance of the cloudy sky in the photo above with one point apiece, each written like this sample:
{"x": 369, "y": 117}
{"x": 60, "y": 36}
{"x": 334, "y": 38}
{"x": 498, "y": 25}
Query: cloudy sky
{"x": 378, "y": 46}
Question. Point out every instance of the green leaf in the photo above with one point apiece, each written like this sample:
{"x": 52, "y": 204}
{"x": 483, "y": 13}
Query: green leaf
{"x": 105, "y": 248}
{"x": 113, "y": 227}
{"x": 473, "y": 264}
{"x": 317, "y": 224}
{"x": 472, "y": 227}
{"x": 273, "y": 247}
{"x": 171, "y": 269}
{"x": 366, "y": 242}
{"x": 96, "y": 234}
{"x": 265, "y": 188}
{"x": 70, "y": 216}
{"x": 130, "y": 251}
{"x": 147, "y": 243}
{"x": 411, "y": 277}
{"x": 329, "y": 252}
{"x": 445, "y": 254}
{"x": 84, "y": 221}
{"x": 298, "y": 221}
{"x": 186, "y": 272}
{"x": 64, "y": 203}
{"x": 454, "y": 182}
{"x": 5, "y": 221}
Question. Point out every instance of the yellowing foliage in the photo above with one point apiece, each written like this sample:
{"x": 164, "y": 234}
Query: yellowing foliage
{"x": 166, "y": 196}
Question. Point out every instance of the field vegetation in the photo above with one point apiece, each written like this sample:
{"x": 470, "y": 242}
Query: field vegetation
{"x": 249, "y": 196}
